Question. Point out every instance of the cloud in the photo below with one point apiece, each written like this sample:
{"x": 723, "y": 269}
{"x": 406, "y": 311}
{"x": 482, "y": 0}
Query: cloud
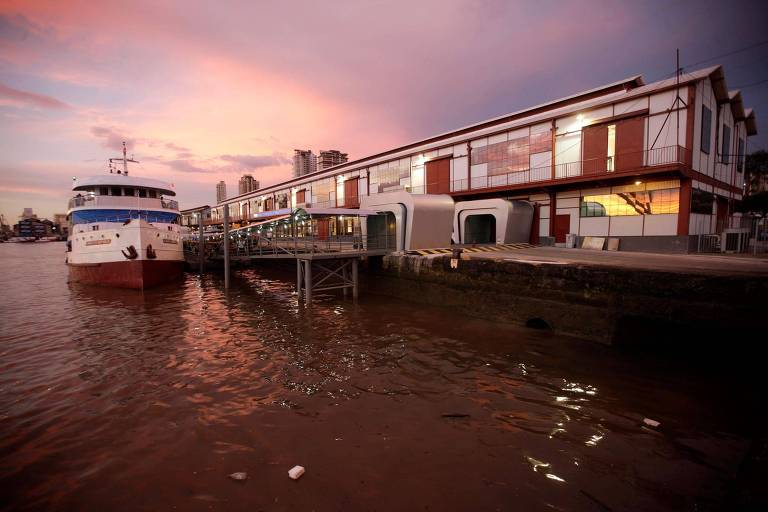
{"x": 251, "y": 162}
{"x": 111, "y": 139}
{"x": 186, "y": 166}
{"x": 30, "y": 99}
{"x": 175, "y": 147}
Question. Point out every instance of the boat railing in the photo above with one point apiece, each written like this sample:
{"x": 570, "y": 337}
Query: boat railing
{"x": 133, "y": 202}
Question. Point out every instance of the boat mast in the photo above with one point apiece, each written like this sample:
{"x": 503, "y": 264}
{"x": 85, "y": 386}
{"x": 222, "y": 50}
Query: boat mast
{"x": 125, "y": 161}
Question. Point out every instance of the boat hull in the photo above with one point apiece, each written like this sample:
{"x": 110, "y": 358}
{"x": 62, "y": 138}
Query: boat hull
{"x": 137, "y": 274}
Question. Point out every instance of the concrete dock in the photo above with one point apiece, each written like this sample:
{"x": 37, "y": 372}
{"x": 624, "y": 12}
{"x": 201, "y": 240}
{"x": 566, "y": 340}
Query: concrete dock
{"x": 614, "y": 298}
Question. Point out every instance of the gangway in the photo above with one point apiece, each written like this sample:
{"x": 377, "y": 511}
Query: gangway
{"x": 327, "y": 244}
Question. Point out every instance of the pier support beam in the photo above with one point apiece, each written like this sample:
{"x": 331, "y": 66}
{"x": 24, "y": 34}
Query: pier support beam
{"x": 299, "y": 277}
{"x": 328, "y": 274}
{"x": 308, "y": 281}
{"x": 226, "y": 246}
{"x": 355, "y": 291}
{"x": 201, "y": 243}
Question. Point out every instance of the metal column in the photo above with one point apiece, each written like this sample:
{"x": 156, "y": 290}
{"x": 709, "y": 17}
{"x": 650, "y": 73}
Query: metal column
{"x": 299, "y": 276}
{"x": 201, "y": 243}
{"x": 355, "y": 291}
{"x": 308, "y": 281}
{"x": 226, "y": 246}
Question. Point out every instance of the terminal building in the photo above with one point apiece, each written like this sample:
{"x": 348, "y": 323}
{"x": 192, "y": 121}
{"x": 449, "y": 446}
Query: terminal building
{"x": 650, "y": 164}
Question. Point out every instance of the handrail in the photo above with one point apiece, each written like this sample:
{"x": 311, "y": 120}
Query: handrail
{"x": 123, "y": 202}
{"x": 610, "y": 165}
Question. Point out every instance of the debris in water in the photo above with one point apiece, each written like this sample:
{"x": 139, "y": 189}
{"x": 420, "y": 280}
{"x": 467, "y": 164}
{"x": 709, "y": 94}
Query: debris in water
{"x": 651, "y": 423}
{"x": 240, "y": 475}
{"x": 454, "y": 415}
{"x": 295, "y": 472}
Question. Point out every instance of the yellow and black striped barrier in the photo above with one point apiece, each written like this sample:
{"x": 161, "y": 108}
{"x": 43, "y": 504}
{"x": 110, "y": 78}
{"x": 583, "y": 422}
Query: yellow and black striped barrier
{"x": 481, "y": 248}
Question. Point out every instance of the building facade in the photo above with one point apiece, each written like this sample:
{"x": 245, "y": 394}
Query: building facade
{"x": 330, "y": 158}
{"x": 651, "y": 164}
{"x": 32, "y": 227}
{"x": 304, "y": 162}
{"x": 247, "y": 184}
{"x": 221, "y": 192}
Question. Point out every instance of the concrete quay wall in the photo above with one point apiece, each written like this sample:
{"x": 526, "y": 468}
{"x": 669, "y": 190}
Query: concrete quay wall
{"x": 611, "y": 305}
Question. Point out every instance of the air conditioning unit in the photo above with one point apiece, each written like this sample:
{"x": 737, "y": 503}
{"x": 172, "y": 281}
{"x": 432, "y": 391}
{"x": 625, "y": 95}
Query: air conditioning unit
{"x": 735, "y": 240}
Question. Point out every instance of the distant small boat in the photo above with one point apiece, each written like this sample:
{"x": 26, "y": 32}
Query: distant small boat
{"x": 21, "y": 239}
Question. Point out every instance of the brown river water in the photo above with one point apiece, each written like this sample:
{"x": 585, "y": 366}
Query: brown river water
{"x": 122, "y": 400}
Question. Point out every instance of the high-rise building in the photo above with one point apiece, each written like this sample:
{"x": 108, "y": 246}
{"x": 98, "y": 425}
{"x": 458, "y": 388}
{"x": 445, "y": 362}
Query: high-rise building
{"x": 60, "y": 224}
{"x": 27, "y": 214}
{"x": 304, "y": 162}
{"x": 221, "y": 191}
{"x": 330, "y": 158}
{"x": 247, "y": 184}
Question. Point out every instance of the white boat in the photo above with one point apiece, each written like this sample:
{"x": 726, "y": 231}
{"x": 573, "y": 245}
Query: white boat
{"x": 21, "y": 239}
{"x": 124, "y": 231}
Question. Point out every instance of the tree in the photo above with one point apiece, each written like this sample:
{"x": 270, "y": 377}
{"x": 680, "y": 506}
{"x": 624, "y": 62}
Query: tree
{"x": 756, "y": 175}
{"x": 755, "y": 203}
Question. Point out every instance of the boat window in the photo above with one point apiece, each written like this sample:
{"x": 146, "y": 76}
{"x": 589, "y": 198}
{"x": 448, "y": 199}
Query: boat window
{"x": 152, "y": 194}
{"x": 128, "y": 192}
{"x": 142, "y": 192}
{"x": 116, "y": 191}
{"x": 104, "y": 191}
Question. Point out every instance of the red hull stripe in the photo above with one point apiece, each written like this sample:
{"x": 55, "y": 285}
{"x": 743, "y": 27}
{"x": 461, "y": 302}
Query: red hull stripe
{"x": 126, "y": 274}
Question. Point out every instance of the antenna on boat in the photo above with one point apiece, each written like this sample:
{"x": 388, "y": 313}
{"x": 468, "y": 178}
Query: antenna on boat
{"x": 125, "y": 161}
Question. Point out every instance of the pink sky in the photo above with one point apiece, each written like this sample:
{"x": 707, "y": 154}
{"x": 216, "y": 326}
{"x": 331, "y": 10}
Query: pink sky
{"x": 205, "y": 91}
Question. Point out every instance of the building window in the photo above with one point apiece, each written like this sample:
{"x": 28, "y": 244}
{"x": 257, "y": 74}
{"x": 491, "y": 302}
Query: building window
{"x": 611, "y": 148}
{"x": 630, "y": 200}
{"x": 505, "y": 157}
{"x": 701, "y": 202}
{"x": 706, "y": 129}
{"x": 740, "y": 156}
{"x": 726, "y": 144}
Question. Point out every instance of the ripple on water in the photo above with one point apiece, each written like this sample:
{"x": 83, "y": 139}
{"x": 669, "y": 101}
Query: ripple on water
{"x": 105, "y": 393}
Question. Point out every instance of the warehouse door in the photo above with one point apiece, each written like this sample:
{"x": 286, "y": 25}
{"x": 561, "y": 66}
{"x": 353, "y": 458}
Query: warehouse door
{"x": 323, "y": 228}
{"x": 351, "y": 199}
{"x": 562, "y": 227}
{"x": 629, "y": 143}
{"x": 595, "y": 149}
{"x": 439, "y": 176}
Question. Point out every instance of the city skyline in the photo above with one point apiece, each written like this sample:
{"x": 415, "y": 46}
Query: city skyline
{"x": 196, "y": 110}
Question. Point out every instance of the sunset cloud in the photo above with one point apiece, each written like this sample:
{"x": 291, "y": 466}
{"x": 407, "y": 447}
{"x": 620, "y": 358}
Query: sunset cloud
{"x": 199, "y": 95}
{"x": 251, "y": 162}
{"x": 29, "y": 99}
{"x": 112, "y": 139}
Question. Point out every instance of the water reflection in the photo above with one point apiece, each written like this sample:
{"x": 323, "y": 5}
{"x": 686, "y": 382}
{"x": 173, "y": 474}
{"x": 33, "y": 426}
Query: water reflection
{"x": 148, "y": 400}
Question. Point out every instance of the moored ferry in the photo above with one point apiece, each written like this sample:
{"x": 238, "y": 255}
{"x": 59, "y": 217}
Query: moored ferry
{"x": 124, "y": 230}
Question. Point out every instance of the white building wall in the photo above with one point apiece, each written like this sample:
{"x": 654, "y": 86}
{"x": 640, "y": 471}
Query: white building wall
{"x": 660, "y": 224}
{"x": 594, "y": 226}
{"x": 627, "y": 226}
{"x": 663, "y": 132}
